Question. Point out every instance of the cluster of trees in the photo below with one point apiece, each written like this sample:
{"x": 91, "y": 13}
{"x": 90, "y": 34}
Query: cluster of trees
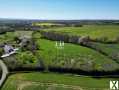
{"x": 4, "y": 28}
{"x": 56, "y": 36}
{"x": 64, "y": 37}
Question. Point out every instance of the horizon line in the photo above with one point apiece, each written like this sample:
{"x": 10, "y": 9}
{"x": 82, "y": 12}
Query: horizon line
{"x": 53, "y": 19}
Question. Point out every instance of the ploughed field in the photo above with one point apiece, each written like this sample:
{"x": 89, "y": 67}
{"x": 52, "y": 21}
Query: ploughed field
{"x": 102, "y": 57}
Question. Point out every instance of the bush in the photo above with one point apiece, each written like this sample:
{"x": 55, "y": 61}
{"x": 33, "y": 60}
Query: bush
{"x": 27, "y": 57}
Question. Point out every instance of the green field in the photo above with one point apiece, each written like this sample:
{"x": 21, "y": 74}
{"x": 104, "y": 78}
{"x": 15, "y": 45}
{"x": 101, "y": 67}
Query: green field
{"x": 43, "y": 81}
{"x": 73, "y": 56}
{"x": 111, "y": 32}
{"x": 112, "y": 50}
{"x": 108, "y": 48}
{"x": 46, "y": 24}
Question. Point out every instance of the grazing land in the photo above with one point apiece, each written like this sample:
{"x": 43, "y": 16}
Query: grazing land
{"x": 74, "y": 56}
{"x": 93, "y": 31}
{"x": 24, "y": 81}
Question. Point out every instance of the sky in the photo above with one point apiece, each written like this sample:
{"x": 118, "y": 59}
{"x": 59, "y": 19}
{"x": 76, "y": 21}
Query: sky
{"x": 59, "y": 9}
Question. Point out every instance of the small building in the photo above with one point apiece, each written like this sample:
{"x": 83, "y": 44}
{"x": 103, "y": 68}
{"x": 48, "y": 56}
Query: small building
{"x": 8, "y": 49}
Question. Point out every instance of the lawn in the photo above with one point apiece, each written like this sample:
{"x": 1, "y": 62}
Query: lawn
{"x": 41, "y": 81}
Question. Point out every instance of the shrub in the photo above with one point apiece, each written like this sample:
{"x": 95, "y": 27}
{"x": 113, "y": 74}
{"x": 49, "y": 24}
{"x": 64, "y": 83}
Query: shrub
{"x": 27, "y": 57}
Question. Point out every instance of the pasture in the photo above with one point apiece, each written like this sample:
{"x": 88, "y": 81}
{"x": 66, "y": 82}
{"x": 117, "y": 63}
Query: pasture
{"x": 73, "y": 56}
{"x": 110, "y": 32}
{"x": 43, "y": 81}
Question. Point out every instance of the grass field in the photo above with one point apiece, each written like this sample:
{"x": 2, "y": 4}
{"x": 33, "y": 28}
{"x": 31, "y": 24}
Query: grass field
{"x": 111, "y": 32}
{"x": 112, "y": 50}
{"x": 43, "y": 81}
{"x": 108, "y": 48}
{"x": 46, "y": 24}
{"x": 73, "y": 56}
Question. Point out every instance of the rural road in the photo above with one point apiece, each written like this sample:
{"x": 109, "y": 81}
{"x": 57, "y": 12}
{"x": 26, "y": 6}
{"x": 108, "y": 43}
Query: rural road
{"x": 4, "y": 72}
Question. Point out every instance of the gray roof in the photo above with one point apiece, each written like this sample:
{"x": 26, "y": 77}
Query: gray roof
{"x": 7, "y": 48}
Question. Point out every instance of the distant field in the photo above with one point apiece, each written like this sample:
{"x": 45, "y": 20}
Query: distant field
{"x": 38, "y": 24}
{"x": 45, "y": 24}
{"x": 52, "y": 81}
{"x": 111, "y": 32}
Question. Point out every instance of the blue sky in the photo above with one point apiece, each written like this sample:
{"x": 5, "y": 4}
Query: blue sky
{"x": 59, "y": 9}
